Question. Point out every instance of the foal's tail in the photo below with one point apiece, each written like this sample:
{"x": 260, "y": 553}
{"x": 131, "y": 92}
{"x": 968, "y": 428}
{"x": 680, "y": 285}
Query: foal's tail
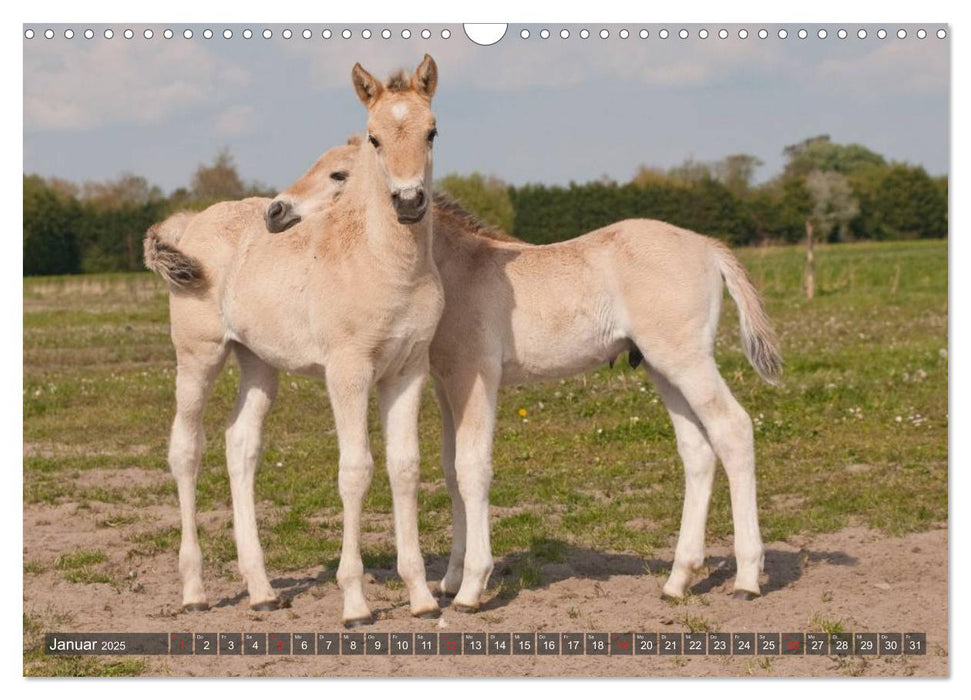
{"x": 161, "y": 255}
{"x": 758, "y": 337}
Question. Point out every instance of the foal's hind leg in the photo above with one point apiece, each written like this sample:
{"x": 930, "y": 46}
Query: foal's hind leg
{"x": 198, "y": 367}
{"x": 699, "y": 472}
{"x": 729, "y": 431}
{"x": 257, "y": 389}
{"x": 456, "y": 562}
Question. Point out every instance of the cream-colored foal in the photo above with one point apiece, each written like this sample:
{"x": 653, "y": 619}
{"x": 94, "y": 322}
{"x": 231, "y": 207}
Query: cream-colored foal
{"x": 352, "y": 296}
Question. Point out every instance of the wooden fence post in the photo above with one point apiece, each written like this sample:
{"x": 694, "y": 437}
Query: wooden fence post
{"x": 810, "y": 261}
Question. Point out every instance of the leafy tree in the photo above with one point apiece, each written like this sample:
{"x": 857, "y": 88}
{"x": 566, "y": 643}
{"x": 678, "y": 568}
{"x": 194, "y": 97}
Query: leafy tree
{"x": 820, "y": 153}
{"x": 219, "y": 181}
{"x": 736, "y": 172}
{"x": 646, "y": 177}
{"x": 911, "y": 204}
{"x": 112, "y": 238}
{"x": 547, "y": 214}
{"x": 486, "y": 197}
{"x": 127, "y": 190}
{"x": 779, "y": 209}
{"x": 63, "y": 187}
{"x": 114, "y": 217}
{"x": 941, "y": 183}
{"x": 51, "y": 220}
{"x": 691, "y": 171}
{"x": 259, "y": 189}
{"x": 833, "y": 203}
{"x": 833, "y": 207}
{"x": 899, "y": 201}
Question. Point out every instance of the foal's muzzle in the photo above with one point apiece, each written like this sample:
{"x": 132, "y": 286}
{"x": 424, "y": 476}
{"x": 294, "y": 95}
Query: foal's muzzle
{"x": 280, "y": 216}
{"x": 410, "y": 205}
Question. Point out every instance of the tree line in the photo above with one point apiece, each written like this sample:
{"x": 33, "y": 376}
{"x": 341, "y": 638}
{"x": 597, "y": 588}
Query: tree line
{"x": 98, "y": 226}
{"x": 846, "y": 191}
{"x": 836, "y": 192}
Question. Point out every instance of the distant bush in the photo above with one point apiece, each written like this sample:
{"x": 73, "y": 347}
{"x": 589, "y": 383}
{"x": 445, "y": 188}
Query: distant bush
{"x": 51, "y": 220}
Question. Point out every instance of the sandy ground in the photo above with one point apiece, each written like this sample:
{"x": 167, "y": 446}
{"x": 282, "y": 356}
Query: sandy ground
{"x": 869, "y": 582}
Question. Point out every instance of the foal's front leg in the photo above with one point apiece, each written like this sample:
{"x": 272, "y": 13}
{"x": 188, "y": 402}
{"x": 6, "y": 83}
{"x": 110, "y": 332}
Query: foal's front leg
{"x": 400, "y": 399}
{"x": 348, "y": 385}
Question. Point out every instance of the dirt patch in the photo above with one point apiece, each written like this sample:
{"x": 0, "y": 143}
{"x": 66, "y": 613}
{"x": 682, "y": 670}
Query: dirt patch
{"x": 59, "y": 450}
{"x": 641, "y": 524}
{"x": 125, "y": 479}
{"x": 856, "y": 578}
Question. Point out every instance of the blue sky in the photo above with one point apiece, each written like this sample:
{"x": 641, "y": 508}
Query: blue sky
{"x": 525, "y": 110}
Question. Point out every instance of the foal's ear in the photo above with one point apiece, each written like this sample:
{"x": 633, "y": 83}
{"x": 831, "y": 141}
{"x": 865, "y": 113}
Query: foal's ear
{"x": 367, "y": 88}
{"x": 426, "y": 77}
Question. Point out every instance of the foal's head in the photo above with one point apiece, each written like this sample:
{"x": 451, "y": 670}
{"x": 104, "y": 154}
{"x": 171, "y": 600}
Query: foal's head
{"x": 317, "y": 189}
{"x": 400, "y": 132}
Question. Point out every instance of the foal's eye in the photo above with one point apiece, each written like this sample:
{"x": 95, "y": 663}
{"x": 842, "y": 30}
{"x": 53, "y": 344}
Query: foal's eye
{"x": 373, "y": 141}
{"x": 432, "y": 134}
{"x": 339, "y": 175}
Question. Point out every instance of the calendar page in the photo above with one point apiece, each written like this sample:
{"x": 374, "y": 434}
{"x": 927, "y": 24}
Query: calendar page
{"x": 547, "y": 349}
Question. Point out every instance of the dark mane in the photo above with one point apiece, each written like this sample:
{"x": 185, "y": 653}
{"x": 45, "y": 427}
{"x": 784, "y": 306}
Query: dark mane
{"x": 470, "y": 221}
{"x": 398, "y": 82}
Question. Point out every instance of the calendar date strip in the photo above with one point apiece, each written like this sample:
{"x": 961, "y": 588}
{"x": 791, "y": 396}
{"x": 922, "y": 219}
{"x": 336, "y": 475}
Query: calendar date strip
{"x": 487, "y": 643}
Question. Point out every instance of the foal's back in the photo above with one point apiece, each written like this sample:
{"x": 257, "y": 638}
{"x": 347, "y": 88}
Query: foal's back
{"x": 256, "y": 289}
{"x": 556, "y": 310}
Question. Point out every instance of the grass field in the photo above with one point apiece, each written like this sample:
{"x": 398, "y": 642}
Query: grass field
{"x": 856, "y": 435}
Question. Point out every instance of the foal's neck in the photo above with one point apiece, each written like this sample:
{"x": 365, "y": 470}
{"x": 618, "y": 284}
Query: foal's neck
{"x": 403, "y": 245}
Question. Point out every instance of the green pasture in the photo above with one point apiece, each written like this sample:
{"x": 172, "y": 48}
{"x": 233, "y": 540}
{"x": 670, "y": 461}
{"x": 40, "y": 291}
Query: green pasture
{"x": 856, "y": 435}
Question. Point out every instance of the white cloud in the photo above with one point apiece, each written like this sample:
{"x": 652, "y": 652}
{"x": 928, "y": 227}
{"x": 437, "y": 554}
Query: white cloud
{"x": 515, "y": 64}
{"x": 237, "y": 120}
{"x": 77, "y": 86}
{"x": 330, "y": 64}
{"x": 897, "y": 68}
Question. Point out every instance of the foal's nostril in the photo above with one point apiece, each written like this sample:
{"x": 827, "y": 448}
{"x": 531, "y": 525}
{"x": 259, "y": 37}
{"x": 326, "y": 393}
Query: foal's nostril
{"x": 275, "y": 210}
{"x": 411, "y": 198}
{"x": 279, "y": 216}
{"x": 409, "y": 204}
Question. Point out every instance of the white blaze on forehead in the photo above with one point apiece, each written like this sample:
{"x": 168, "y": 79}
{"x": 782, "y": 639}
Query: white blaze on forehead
{"x": 399, "y": 110}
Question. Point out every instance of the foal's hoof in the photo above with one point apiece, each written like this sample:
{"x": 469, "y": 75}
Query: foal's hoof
{"x": 744, "y": 595}
{"x": 459, "y": 607}
{"x": 266, "y": 605}
{"x": 358, "y": 622}
{"x": 195, "y": 607}
{"x": 429, "y": 614}
{"x": 668, "y": 598}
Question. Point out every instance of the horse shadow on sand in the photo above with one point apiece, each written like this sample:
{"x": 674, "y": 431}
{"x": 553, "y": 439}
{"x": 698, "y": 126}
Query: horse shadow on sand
{"x": 550, "y": 561}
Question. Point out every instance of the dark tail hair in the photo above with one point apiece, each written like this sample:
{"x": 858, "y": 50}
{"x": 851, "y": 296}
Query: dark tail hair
{"x": 758, "y": 338}
{"x": 162, "y": 257}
